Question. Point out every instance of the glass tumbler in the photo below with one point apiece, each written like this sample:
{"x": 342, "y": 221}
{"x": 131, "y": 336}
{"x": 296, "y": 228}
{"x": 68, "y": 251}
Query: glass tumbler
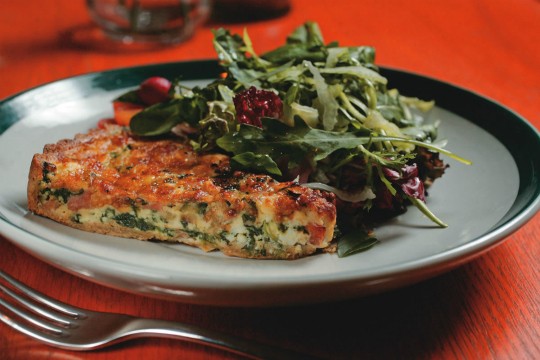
{"x": 149, "y": 21}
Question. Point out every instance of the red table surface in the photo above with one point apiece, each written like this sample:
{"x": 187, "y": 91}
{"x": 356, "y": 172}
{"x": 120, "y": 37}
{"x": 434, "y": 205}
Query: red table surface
{"x": 485, "y": 309}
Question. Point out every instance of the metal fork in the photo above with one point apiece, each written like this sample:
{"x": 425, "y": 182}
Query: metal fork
{"x": 72, "y": 328}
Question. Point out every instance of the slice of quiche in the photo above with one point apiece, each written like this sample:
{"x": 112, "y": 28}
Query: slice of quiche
{"x": 111, "y": 182}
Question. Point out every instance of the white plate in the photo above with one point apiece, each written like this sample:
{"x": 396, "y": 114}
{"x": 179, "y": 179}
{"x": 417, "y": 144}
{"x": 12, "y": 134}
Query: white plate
{"x": 482, "y": 203}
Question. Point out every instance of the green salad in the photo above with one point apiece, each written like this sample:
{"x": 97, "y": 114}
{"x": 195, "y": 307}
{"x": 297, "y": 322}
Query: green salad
{"x": 317, "y": 113}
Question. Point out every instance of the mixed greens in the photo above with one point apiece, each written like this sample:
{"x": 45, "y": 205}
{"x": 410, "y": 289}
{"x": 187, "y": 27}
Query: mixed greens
{"x": 320, "y": 114}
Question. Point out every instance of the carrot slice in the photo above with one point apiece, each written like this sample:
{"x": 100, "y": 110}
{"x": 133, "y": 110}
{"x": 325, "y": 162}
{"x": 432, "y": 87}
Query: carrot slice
{"x": 124, "y": 111}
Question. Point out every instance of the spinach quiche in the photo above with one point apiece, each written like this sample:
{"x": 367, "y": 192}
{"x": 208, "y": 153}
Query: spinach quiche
{"x": 111, "y": 182}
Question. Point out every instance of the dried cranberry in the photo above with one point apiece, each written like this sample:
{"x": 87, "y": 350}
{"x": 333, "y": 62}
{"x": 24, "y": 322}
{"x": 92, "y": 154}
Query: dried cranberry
{"x": 251, "y": 105}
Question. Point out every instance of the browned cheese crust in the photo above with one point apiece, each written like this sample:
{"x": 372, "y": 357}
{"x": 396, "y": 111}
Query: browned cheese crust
{"x": 111, "y": 182}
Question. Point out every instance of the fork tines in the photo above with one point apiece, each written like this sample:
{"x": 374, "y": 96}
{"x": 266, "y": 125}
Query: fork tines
{"x": 28, "y": 309}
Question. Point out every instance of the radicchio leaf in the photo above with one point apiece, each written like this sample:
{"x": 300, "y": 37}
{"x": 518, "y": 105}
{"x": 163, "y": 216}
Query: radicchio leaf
{"x": 407, "y": 179}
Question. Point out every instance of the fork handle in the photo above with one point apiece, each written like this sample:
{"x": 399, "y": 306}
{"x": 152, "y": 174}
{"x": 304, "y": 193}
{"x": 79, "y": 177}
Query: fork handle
{"x": 167, "y": 329}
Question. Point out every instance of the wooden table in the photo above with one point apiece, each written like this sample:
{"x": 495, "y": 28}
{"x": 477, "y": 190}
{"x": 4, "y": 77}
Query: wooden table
{"x": 486, "y": 309}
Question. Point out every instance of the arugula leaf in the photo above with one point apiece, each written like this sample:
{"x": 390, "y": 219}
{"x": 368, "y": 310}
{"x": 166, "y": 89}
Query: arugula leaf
{"x": 302, "y": 143}
{"x": 298, "y": 142}
{"x": 160, "y": 118}
{"x": 355, "y": 241}
{"x": 212, "y": 128}
{"x": 231, "y": 50}
{"x": 358, "y": 71}
{"x": 305, "y": 43}
{"x": 155, "y": 120}
{"x": 257, "y": 162}
{"x": 425, "y": 210}
{"x": 131, "y": 97}
{"x": 309, "y": 34}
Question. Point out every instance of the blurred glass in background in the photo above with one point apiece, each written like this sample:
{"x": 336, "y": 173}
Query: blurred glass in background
{"x": 149, "y": 21}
